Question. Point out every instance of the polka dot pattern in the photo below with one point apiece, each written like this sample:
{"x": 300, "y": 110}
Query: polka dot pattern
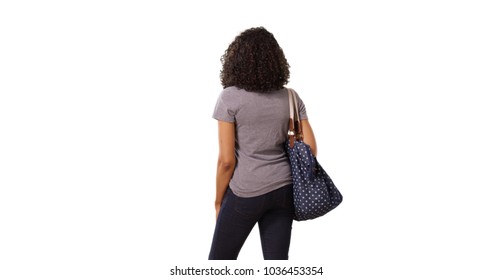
{"x": 314, "y": 192}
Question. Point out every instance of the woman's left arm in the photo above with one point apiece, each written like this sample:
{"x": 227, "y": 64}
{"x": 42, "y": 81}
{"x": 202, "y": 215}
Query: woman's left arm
{"x": 226, "y": 162}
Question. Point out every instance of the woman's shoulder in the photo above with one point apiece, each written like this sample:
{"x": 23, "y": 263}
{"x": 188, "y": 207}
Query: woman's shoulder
{"x": 232, "y": 90}
{"x": 230, "y": 93}
{"x": 232, "y": 96}
{"x": 237, "y": 93}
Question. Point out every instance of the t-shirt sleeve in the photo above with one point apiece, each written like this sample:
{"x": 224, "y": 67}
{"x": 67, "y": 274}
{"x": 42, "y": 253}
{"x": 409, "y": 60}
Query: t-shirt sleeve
{"x": 225, "y": 109}
{"x": 301, "y": 107}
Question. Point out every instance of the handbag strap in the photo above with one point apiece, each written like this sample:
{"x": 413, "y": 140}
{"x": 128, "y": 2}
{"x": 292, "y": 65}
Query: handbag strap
{"x": 295, "y": 130}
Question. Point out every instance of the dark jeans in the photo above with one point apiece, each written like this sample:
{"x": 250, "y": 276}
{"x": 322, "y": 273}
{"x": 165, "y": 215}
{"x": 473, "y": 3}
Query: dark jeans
{"x": 274, "y": 212}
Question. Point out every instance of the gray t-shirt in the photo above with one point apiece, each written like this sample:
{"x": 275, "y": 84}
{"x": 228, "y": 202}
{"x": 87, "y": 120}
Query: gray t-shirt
{"x": 261, "y": 121}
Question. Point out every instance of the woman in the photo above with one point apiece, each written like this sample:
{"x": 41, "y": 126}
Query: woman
{"x": 253, "y": 181}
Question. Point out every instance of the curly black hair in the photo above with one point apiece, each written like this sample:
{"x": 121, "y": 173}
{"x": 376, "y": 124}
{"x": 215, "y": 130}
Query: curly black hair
{"x": 254, "y": 61}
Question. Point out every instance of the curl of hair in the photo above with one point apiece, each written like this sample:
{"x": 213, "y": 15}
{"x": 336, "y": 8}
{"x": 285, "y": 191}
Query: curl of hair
{"x": 254, "y": 61}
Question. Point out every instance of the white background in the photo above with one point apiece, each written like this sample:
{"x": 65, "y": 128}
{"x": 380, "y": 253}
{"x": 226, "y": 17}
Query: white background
{"x": 108, "y": 148}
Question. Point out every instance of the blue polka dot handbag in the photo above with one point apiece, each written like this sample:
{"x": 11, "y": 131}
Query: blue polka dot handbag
{"x": 314, "y": 192}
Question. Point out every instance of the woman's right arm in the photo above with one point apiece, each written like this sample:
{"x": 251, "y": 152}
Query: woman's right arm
{"x": 309, "y": 136}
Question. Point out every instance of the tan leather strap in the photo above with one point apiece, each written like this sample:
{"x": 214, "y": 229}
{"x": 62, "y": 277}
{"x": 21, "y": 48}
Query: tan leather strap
{"x": 295, "y": 130}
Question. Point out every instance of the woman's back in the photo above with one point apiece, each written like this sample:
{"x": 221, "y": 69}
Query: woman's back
{"x": 261, "y": 121}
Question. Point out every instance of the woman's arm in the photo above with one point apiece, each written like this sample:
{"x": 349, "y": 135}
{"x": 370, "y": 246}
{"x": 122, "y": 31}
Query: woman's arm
{"x": 226, "y": 161}
{"x": 309, "y": 136}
